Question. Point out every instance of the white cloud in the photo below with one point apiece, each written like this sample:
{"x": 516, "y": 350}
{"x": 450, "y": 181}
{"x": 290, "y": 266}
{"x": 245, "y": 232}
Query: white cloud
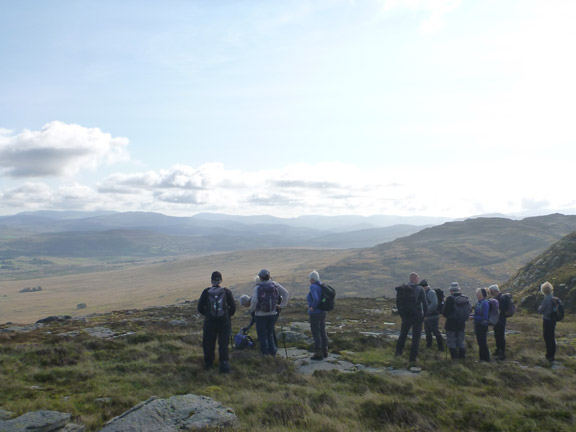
{"x": 324, "y": 188}
{"x": 57, "y": 150}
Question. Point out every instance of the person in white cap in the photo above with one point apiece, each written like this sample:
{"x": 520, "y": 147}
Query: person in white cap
{"x": 317, "y": 317}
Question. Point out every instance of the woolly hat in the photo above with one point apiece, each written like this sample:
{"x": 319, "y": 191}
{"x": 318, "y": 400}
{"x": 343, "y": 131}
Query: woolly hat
{"x": 423, "y": 283}
{"x": 264, "y": 273}
{"x": 216, "y": 276}
{"x": 494, "y": 288}
{"x": 454, "y": 287}
{"x": 314, "y": 276}
{"x": 244, "y": 299}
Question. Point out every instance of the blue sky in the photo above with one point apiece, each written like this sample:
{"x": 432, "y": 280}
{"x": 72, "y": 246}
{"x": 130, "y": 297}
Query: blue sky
{"x": 436, "y": 107}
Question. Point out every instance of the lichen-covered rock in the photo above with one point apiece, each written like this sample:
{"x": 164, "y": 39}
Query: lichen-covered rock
{"x": 178, "y": 413}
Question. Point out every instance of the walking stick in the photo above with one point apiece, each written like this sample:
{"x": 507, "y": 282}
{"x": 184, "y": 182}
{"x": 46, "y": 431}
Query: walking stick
{"x": 284, "y": 339}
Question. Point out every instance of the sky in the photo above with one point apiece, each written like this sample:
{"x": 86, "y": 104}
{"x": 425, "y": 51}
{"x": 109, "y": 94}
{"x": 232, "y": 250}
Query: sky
{"x": 449, "y": 108}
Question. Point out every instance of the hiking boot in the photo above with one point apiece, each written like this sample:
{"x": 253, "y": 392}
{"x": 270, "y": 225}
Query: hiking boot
{"x": 224, "y": 367}
{"x": 453, "y": 353}
{"x": 462, "y": 353}
{"x": 500, "y": 356}
{"x": 207, "y": 366}
{"x": 318, "y": 355}
{"x": 325, "y": 352}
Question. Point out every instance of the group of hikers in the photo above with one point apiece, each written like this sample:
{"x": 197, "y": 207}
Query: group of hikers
{"x": 267, "y": 301}
{"x": 417, "y": 303}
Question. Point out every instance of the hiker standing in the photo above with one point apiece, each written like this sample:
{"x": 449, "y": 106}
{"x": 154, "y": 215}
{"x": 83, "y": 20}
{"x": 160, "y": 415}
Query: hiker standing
{"x": 548, "y": 324}
{"x": 481, "y": 312}
{"x": 500, "y": 326}
{"x": 217, "y": 305}
{"x": 264, "y": 303}
{"x": 412, "y": 306}
{"x": 456, "y": 310}
{"x": 317, "y": 318}
{"x": 432, "y": 317}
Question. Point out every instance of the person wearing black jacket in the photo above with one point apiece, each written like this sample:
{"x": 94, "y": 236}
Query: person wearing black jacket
{"x": 217, "y": 305}
{"x": 412, "y": 318}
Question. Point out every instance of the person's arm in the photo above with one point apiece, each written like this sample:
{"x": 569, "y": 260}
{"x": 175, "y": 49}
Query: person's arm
{"x": 448, "y": 306}
{"x": 230, "y": 302}
{"x": 314, "y": 297}
{"x": 285, "y": 295}
{"x": 423, "y": 301}
{"x": 202, "y": 302}
{"x": 254, "y": 300}
{"x": 432, "y": 301}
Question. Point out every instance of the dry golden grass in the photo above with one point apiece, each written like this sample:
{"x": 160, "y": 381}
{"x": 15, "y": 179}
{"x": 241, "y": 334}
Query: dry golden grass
{"x": 140, "y": 286}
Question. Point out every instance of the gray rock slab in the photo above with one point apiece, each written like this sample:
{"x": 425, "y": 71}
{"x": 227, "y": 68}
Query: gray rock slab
{"x": 178, "y": 413}
{"x": 5, "y": 415}
{"x": 36, "y": 421}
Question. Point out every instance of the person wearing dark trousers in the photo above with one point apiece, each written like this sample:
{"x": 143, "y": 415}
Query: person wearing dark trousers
{"x": 500, "y": 326}
{"x": 412, "y": 307}
{"x": 317, "y": 318}
{"x": 548, "y": 324}
{"x": 268, "y": 297}
{"x": 457, "y": 312}
{"x": 432, "y": 318}
{"x": 217, "y": 305}
{"x": 480, "y": 317}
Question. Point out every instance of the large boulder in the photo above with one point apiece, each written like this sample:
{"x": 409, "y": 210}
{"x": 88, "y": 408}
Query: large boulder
{"x": 178, "y": 413}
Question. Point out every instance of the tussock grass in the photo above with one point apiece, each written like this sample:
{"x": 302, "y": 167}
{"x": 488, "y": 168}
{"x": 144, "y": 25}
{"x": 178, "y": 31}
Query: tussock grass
{"x": 97, "y": 379}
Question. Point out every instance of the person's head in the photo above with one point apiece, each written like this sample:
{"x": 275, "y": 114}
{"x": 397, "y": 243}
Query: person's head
{"x": 481, "y": 293}
{"x": 494, "y": 290}
{"x": 546, "y": 288}
{"x": 216, "y": 278}
{"x": 454, "y": 288}
{"x": 245, "y": 300}
{"x": 424, "y": 284}
{"x": 414, "y": 278}
{"x": 314, "y": 276}
{"x": 264, "y": 275}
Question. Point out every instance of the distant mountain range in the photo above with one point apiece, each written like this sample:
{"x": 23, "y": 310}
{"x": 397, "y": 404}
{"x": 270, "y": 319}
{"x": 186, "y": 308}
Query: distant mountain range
{"x": 142, "y": 234}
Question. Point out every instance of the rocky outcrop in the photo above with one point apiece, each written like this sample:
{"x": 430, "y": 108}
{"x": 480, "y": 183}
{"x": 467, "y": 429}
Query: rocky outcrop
{"x": 40, "y": 421}
{"x": 178, "y": 413}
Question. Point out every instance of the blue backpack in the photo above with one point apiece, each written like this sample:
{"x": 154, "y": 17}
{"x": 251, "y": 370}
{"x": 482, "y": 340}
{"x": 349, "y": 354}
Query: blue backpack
{"x": 243, "y": 341}
{"x": 493, "y": 312}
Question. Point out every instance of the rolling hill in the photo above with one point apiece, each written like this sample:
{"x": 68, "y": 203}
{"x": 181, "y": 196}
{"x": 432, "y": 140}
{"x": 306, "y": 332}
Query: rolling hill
{"x": 557, "y": 265}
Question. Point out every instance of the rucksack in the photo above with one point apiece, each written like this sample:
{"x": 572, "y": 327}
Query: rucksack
{"x": 509, "y": 306}
{"x": 462, "y": 308}
{"x": 243, "y": 341}
{"x": 440, "y": 297}
{"x": 328, "y": 296}
{"x": 557, "y": 310}
{"x": 493, "y": 311}
{"x": 217, "y": 307}
{"x": 406, "y": 299}
{"x": 267, "y": 297}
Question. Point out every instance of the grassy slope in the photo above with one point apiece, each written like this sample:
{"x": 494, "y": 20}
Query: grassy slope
{"x": 42, "y": 370}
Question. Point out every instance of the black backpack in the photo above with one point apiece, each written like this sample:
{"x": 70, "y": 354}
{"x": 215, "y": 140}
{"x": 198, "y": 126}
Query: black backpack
{"x": 328, "y": 296}
{"x": 217, "y": 306}
{"x": 509, "y": 306}
{"x": 557, "y": 310}
{"x": 268, "y": 297}
{"x": 440, "y": 296}
{"x": 462, "y": 308}
{"x": 406, "y": 300}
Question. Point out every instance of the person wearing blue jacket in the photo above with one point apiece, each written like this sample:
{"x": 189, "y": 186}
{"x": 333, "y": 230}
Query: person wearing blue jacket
{"x": 481, "y": 311}
{"x": 317, "y": 318}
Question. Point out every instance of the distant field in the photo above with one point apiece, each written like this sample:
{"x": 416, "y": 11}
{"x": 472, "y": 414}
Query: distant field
{"x": 150, "y": 284}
